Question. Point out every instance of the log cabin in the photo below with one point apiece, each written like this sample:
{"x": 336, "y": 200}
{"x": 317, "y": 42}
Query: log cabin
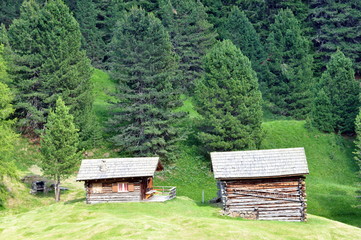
{"x": 122, "y": 180}
{"x": 262, "y": 184}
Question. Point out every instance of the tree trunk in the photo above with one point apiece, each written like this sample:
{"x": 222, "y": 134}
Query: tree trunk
{"x": 57, "y": 190}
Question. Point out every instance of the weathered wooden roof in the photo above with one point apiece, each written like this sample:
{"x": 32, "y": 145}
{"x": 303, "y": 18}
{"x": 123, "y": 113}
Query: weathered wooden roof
{"x": 117, "y": 168}
{"x": 259, "y": 163}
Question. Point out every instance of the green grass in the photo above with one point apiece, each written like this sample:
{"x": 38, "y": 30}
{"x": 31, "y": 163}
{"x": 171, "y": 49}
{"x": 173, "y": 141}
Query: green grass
{"x": 104, "y": 87}
{"x": 332, "y": 182}
{"x": 331, "y": 188}
{"x": 177, "y": 219}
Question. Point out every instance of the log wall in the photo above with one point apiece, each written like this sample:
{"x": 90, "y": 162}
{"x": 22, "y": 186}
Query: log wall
{"x": 109, "y": 195}
{"x": 282, "y": 199}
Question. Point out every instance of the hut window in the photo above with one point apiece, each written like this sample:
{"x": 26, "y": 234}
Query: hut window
{"x": 97, "y": 187}
{"x": 123, "y": 187}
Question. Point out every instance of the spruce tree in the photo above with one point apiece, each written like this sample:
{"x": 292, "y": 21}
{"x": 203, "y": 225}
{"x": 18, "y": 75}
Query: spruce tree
{"x": 229, "y": 101}
{"x": 342, "y": 90}
{"x": 48, "y": 63}
{"x": 9, "y": 10}
{"x": 321, "y": 112}
{"x": 337, "y": 25}
{"x": 144, "y": 65}
{"x": 357, "y": 143}
{"x": 86, "y": 13}
{"x": 7, "y": 135}
{"x": 191, "y": 35}
{"x": 59, "y": 146}
{"x": 241, "y": 32}
{"x": 290, "y": 63}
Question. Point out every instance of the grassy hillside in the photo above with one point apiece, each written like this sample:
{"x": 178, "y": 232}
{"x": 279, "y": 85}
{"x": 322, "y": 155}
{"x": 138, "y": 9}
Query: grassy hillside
{"x": 331, "y": 188}
{"x": 331, "y": 184}
{"x": 177, "y": 219}
{"x": 333, "y": 180}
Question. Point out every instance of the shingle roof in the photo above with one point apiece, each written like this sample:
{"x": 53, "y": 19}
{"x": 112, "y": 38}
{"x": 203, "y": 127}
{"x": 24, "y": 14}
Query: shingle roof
{"x": 259, "y": 163}
{"x": 117, "y": 168}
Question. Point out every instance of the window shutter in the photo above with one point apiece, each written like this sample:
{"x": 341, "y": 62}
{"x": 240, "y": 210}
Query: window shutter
{"x": 131, "y": 187}
{"x": 114, "y": 187}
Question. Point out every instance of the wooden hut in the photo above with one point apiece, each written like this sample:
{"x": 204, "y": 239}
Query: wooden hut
{"x": 122, "y": 180}
{"x": 262, "y": 184}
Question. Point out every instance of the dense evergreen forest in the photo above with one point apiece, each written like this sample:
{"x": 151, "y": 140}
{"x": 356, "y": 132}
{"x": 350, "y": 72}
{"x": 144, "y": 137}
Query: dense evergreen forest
{"x": 234, "y": 59}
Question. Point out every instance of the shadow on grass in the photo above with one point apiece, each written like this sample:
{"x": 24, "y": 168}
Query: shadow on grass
{"x": 75, "y": 201}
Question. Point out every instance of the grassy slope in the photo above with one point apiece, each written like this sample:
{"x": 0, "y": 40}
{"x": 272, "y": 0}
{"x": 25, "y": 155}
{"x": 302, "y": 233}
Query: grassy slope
{"x": 104, "y": 87}
{"x": 331, "y": 186}
{"x": 179, "y": 218}
{"x": 332, "y": 182}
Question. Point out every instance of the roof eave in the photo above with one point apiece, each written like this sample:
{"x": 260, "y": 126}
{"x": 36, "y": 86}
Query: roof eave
{"x": 87, "y": 179}
{"x": 258, "y": 177}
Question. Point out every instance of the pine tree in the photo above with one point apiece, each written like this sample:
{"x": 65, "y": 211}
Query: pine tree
{"x": 321, "y": 112}
{"x": 290, "y": 63}
{"x": 358, "y": 139}
{"x": 86, "y": 14}
{"x": 342, "y": 90}
{"x": 229, "y": 101}
{"x": 9, "y": 10}
{"x": 48, "y": 63}
{"x": 109, "y": 13}
{"x": 191, "y": 35}
{"x": 357, "y": 143}
{"x": 261, "y": 13}
{"x": 241, "y": 32}
{"x": 144, "y": 64}
{"x": 7, "y": 135}
{"x": 337, "y": 25}
{"x": 59, "y": 146}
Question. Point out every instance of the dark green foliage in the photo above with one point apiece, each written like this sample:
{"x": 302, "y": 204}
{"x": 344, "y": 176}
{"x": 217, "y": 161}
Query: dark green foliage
{"x": 321, "y": 112}
{"x": 48, "y": 63}
{"x": 290, "y": 63}
{"x": 337, "y": 26}
{"x": 357, "y": 143}
{"x": 191, "y": 35}
{"x": 9, "y": 10}
{"x": 261, "y": 13}
{"x": 240, "y": 31}
{"x": 229, "y": 101}
{"x": 342, "y": 90}
{"x": 59, "y": 145}
{"x": 144, "y": 64}
{"x": 358, "y": 139}
{"x": 109, "y": 13}
{"x": 7, "y": 135}
{"x": 86, "y": 14}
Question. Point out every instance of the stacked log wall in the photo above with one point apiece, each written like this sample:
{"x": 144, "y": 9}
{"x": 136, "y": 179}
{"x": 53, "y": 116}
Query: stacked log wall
{"x": 107, "y": 194}
{"x": 281, "y": 199}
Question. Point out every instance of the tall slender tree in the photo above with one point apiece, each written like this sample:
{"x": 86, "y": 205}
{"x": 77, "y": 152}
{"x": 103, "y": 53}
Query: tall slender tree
{"x": 342, "y": 91}
{"x": 86, "y": 13}
{"x": 291, "y": 67}
{"x": 191, "y": 35}
{"x": 357, "y": 142}
{"x": 229, "y": 101}
{"x": 48, "y": 63}
{"x": 59, "y": 146}
{"x": 144, "y": 64}
{"x": 7, "y": 135}
{"x": 337, "y": 25}
{"x": 241, "y": 32}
